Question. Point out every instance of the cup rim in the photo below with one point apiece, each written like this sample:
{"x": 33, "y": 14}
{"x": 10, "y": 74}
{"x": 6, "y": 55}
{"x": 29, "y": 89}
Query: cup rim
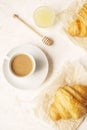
{"x": 30, "y": 56}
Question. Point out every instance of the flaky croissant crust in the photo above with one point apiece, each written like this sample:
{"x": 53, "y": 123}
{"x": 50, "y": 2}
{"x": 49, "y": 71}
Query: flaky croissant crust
{"x": 69, "y": 102}
{"x": 79, "y": 26}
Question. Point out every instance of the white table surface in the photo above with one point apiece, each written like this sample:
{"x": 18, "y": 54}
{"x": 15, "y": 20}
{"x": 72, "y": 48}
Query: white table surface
{"x": 14, "y": 103}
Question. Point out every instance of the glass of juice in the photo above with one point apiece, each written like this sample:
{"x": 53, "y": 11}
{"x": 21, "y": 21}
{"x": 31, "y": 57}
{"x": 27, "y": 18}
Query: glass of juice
{"x": 44, "y": 16}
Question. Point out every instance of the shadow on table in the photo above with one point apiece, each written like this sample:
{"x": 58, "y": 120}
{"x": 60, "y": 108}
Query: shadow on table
{"x": 50, "y": 65}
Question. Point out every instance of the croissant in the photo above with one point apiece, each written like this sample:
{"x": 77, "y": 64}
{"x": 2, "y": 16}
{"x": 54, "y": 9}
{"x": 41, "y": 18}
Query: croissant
{"x": 69, "y": 103}
{"x": 79, "y": 26}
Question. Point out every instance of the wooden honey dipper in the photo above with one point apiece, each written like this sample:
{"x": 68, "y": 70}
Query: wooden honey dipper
{"x": 45, "y": 39}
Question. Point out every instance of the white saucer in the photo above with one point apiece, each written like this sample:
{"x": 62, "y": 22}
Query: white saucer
{"x": 40, "y": 73}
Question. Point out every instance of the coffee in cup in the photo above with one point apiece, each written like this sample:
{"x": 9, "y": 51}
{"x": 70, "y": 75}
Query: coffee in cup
{"x": 22, "y": 65}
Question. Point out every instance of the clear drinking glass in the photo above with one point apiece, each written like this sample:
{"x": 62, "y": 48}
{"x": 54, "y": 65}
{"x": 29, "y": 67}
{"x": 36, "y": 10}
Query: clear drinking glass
{"x": 44, "y": 16}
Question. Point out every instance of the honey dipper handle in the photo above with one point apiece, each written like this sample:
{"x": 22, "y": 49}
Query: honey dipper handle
{"x": 28, "y": 25}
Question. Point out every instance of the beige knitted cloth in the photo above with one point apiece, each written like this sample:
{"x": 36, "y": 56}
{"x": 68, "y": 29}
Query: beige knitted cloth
{"x": 68, "y": 16}
{"x": 73, "y": 72}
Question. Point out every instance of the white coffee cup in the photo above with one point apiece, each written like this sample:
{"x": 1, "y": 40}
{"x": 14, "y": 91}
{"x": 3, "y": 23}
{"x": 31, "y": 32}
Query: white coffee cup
{"x": 28, "y": 56}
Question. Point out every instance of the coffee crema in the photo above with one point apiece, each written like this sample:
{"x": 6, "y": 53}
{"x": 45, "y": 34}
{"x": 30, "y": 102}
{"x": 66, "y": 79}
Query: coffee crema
{"x": 21, "y": 65}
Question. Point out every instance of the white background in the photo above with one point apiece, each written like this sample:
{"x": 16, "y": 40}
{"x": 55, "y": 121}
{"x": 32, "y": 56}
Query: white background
{"x": 14, "y": 103}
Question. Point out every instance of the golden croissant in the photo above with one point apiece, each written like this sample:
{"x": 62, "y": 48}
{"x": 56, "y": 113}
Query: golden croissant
{"x": 79, "y": 26}
{"x": 69, "y": 103}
